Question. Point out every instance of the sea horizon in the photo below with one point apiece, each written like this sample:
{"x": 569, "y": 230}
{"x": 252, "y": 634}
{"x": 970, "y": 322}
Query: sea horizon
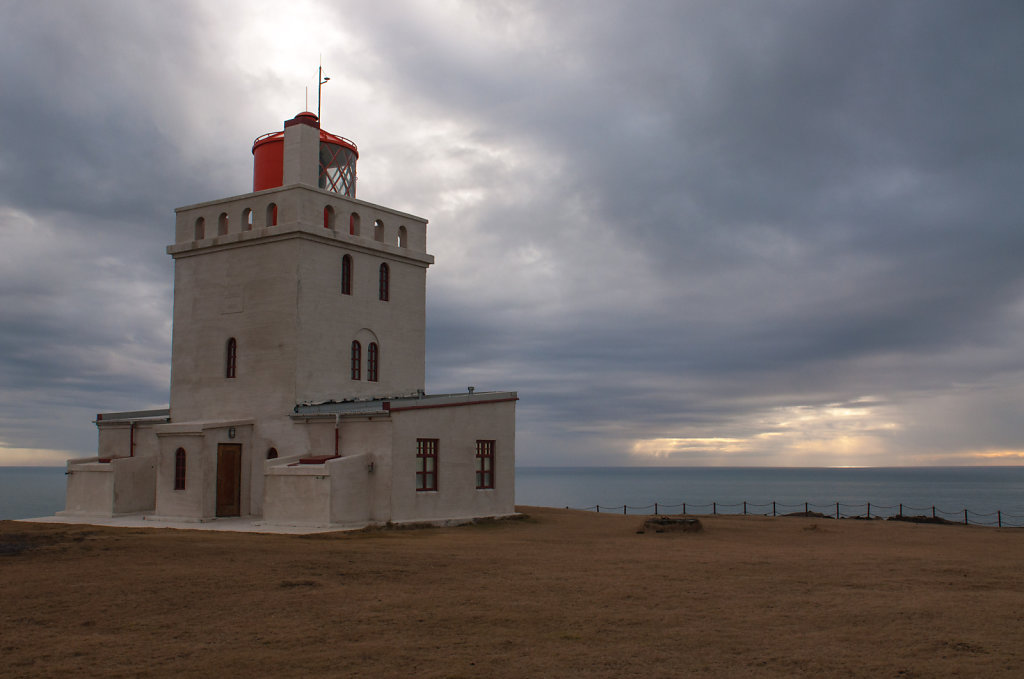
{"x": 990, "y": 493}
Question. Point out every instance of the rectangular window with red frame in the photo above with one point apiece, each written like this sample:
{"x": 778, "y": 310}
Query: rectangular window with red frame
{"x": 426, "y": 464}
{"x": 484, "y": 464}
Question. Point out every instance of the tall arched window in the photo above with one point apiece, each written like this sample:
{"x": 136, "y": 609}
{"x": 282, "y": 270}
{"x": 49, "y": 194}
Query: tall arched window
{"x": 179, "y": 469}
{"x": 247, "y": 219}
{"x": 384, "y": 287}
{"x": 230, "y": 358}
{"x": 328, "y": 217}
{"x": 357, "y": 360}
{"x": 372, "y": 360}
{"x": 353, "y": 224}
{"x": 403, "y": 237}
{"x": 346, "y": 275}
{"x": 378, "y": 231}
{"x": 222, "y": 224}
{"x": 272, "y": 214}
{"x": 200, "y": 229}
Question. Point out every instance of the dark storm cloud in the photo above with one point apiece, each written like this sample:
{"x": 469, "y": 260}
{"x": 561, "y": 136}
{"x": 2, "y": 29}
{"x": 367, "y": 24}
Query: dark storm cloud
{"x": 824, "y": 197}
{"x": 653, "y": 219}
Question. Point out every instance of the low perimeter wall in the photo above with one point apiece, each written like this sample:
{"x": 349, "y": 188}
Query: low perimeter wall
{"x": 336, "y": 492}
{"x": 124, "y": 485}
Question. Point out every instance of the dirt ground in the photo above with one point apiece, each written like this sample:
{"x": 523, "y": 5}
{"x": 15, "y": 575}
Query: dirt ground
{"x": 558, "y": 594}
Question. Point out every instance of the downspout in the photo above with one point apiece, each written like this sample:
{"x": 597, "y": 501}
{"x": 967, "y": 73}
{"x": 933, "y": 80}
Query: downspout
{"x": 337, "y": 424}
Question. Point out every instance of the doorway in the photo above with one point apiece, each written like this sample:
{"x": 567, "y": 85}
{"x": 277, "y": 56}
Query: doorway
{"x": 229, "y": 479}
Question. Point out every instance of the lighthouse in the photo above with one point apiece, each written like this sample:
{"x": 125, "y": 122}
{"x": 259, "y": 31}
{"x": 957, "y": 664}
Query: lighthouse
{"x": 297, "y": 391}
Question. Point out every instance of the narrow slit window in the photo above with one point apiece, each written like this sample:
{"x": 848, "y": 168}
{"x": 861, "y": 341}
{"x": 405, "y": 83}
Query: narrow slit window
{"x": 357, "y": 360}
{"x": 231, "y": 358}
{"x": 346, "y": 275}
{"x": 384, "y": 287}
{"x": 179, "y": 469}
{"x": 372, "y": 361}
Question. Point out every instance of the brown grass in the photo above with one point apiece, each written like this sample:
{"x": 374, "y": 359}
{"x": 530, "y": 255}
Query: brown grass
{"x": 559, "y": 594}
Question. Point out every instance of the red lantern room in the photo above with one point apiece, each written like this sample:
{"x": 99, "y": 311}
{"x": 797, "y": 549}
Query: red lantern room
{"x": 337, "y": 155}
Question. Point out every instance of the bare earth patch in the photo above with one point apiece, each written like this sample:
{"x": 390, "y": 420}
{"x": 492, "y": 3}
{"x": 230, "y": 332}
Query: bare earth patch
{"x": 559, "y": 594}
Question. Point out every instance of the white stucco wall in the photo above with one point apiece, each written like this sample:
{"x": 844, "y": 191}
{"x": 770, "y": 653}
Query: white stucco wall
{"x": 90, "y": 488}
{"x": 457, "y": 430}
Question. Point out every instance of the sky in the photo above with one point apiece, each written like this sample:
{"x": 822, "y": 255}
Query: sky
{"x": 774, "y": 233}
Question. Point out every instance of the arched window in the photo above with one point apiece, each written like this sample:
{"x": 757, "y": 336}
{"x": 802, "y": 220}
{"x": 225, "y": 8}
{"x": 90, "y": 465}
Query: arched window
{"x": 247, "y": 219}
{"x": 357, "y": 360}
{"x": 272, "y": 453}
{"x": 230, "y": 358}
{"x": 200, "y": 229}
{"x": 272, "y": 214}
{"x": 346, "y": 275}
{"x": 179, "y": 469}
{"x": 372, "y": 360}
{"x": 222, "y": 224}
{"x": 353, "y": 224}
{"x": 378, "y": 231}
{"x": 384, "y": 287}
{"x": 403, "y": 237}
{"x": 328, "y": 217}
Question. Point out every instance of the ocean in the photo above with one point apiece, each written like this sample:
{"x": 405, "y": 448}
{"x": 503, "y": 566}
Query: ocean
{"x": 990, "y": 494}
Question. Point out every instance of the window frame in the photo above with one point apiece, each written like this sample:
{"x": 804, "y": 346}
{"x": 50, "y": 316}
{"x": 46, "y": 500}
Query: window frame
{"x": 485, "y": 464}
{"x": 384, "y": 283}
{"x": 346, "y": 275}
{"x": 426, "y": 465}
{"x": 356, "y": 360}
{"x": 231, "y": 359}
{"x": 180, "y": 468}
{"x": 372, "y": 362}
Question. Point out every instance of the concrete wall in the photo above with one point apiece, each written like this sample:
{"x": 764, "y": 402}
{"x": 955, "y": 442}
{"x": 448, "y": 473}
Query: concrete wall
{"x": 329, "y": 321}
{"x": 115, "y": 439}
{"x": 187, "y": 503}
{"x": 90, "y": 488}
{"x": 246, "y": 293}
{"x": 350, "y": 489}
{"x": 134, "y": 484}
{"x": 299, "y": 495}
{"x": 457, "y": 430}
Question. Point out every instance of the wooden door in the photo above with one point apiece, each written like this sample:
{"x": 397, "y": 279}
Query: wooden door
{"x": 229, "y": 479}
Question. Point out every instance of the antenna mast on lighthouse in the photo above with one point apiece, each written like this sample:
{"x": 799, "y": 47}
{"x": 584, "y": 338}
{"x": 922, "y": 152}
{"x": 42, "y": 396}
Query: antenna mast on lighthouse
{"x": 319, "y": 85}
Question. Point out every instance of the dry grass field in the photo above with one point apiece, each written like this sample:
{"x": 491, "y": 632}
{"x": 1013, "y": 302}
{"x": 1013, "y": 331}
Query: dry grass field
{"x": 558, "y": 594}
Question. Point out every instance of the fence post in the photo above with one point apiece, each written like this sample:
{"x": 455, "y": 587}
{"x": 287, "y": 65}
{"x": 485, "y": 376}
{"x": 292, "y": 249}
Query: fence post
{"x": 744, "y": 508}
{"x": 999, "y": 515}
{"x": 714, "y": 508}
{"x": 806, "y": 511}
{"x": 837, "y": 510}
{"x": 869, "y": 510}
{"x": 598, "y": 509}
{"x": 965, "y": 516}
{"x": 773, "y": 507}
{"x": 684, "y": 509}
{"x": 655, "y": 508}
{"x": 623, "y": 510}
{"x": 933, "y": 511}
{"x": 901, "y": 510}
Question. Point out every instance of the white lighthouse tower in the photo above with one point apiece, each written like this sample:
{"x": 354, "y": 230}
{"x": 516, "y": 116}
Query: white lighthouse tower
{"x": 297, "y": 368}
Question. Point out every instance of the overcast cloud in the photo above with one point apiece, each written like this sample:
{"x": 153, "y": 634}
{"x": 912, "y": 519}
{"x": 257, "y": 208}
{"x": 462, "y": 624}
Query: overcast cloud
{"x": 779, "y": 233}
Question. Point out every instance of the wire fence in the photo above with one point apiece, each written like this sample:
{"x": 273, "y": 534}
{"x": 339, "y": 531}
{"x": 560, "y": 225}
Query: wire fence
{"x": 835, "y": 510}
